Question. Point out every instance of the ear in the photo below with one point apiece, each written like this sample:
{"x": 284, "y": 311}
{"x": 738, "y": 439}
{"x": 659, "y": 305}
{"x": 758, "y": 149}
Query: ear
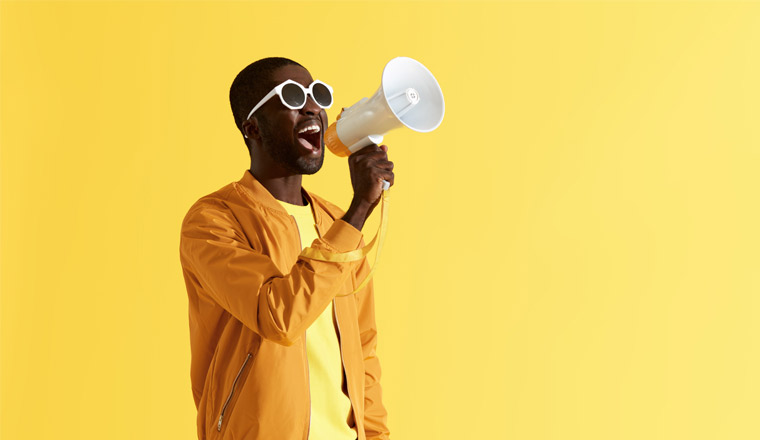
{"x": 251, "y": 129}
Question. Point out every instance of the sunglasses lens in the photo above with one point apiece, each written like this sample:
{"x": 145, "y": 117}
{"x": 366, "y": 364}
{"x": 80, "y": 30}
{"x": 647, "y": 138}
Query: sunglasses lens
{"x": 293, "y": 95}
{"x": 322, "y": 95}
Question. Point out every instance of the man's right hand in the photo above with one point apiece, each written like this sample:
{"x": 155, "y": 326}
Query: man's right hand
{"x": 369, "y": 167}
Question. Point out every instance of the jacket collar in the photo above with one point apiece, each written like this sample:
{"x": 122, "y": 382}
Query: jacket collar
{"x": 260, "y": 195}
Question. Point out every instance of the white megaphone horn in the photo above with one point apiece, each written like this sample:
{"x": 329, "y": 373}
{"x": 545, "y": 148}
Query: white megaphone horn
{"x": 408, "y": 96}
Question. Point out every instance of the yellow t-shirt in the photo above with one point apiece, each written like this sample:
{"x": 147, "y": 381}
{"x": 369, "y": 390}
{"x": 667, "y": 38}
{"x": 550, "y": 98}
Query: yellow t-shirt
{"x": 330, "y": 407}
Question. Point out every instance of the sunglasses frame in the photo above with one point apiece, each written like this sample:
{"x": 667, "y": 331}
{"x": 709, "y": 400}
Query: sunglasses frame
{"x": 307, "y": 92}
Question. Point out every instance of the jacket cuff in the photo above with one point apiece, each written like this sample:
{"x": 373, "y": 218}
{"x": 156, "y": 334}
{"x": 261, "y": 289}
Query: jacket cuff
{"x": 342, "y": 237}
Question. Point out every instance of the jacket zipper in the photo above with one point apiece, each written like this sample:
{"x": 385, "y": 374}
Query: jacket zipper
{"x": 342, "y": 362}
{"x": 306, "y": 356}
{"x": 232, "y": 391}
{"x": 308, "y": 384}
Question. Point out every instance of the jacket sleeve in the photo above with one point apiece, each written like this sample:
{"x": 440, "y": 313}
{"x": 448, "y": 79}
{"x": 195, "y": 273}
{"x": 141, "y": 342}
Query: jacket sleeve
{"x": 375, "y": 414}
{"x": 248, "y": 284}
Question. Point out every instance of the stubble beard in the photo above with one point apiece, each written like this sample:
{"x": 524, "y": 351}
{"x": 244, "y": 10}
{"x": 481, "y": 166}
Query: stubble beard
{"x": 283, "y": 152}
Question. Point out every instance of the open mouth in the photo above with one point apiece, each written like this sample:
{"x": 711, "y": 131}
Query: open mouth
{"x": 312, "y": 136}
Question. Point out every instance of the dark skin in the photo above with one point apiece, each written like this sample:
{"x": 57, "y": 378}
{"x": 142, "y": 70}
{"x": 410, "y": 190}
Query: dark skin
{"x": 275, "y": 126}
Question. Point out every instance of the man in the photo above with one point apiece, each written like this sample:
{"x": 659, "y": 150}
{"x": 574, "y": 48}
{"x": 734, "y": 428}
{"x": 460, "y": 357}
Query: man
{"x": 281, "y": 349}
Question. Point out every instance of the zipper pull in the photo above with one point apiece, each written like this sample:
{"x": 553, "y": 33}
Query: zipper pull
{"x": 219, "y": 425}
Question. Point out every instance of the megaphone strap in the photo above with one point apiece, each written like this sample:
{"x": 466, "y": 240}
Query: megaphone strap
{"x": 358, "y": 254}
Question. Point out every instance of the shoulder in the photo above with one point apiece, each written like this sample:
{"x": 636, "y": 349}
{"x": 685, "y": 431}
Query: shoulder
{"x": 217, "y": 201}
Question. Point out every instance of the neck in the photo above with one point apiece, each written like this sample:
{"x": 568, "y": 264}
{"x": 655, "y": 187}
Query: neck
{"x": 284, "y": 188}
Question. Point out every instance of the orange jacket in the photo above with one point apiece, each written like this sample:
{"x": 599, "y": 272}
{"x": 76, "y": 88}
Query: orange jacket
{"x": 251, "y": 299}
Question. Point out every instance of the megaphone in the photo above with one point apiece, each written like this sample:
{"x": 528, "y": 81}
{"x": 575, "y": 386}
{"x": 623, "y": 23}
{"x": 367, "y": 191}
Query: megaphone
{"x": 408, "y": 96}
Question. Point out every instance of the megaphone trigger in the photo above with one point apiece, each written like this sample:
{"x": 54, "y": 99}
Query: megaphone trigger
{"x": 365, "y": 142}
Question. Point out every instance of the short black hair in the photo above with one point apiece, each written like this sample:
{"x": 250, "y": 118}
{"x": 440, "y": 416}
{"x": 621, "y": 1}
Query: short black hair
{"x": 251, "y": 84}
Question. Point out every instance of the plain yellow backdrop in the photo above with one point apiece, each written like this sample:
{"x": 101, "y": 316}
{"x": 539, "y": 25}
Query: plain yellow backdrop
{"x": 573, "y": 254}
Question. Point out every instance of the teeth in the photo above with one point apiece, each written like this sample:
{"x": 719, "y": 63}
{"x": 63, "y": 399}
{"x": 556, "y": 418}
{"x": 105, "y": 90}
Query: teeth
{"x": 310, "y": 129}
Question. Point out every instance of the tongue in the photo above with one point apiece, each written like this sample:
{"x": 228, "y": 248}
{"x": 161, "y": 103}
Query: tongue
{"x": 306, "y": 144}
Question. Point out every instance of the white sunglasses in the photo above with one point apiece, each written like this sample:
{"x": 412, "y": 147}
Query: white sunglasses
{"x": 293, "y": 95}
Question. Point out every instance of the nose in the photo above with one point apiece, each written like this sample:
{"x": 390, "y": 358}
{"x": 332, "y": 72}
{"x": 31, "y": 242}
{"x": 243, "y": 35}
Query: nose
{"x": 311, "y": 107}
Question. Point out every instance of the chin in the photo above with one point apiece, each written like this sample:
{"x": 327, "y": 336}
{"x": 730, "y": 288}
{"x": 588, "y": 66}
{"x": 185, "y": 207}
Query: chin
{"x": 311, "y": 168}
{"x": 308, "y": 167}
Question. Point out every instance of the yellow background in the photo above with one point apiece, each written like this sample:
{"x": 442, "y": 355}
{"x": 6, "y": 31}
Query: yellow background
{"x": 573, "y": 254}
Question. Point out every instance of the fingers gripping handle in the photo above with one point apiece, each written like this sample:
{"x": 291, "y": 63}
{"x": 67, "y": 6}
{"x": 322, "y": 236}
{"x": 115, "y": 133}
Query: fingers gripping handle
{"x": 365, "y": 142}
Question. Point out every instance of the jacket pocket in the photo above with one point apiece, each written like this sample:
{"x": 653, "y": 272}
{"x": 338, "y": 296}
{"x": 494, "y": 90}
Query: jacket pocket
{"x": 227, "y": 407}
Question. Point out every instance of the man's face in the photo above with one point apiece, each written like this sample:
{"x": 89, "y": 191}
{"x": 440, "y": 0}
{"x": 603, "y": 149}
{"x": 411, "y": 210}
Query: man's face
{"x": 279, "y": 127}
